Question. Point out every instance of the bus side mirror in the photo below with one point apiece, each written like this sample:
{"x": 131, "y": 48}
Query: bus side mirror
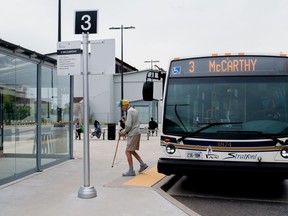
{"x": 147, "y": 91}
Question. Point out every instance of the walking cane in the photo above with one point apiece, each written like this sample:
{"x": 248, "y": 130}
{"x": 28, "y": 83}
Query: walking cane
{"x": 115, "y": 151}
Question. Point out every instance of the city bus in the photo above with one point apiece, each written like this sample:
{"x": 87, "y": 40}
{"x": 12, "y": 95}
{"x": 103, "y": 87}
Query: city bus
{"x": 226, "y": 113}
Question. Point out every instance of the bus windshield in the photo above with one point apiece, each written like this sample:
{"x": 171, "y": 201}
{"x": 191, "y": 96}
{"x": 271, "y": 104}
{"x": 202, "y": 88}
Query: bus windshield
{"x": 259, "y": 103}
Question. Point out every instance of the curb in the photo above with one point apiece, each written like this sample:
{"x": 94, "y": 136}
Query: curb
{"x": 164, "y": 185}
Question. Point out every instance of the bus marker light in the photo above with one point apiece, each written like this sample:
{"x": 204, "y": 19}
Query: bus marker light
{"x": 167, "y": 140}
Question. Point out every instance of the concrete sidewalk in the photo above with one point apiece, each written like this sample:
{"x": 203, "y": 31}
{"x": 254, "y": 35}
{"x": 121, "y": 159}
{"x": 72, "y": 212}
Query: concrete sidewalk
{"x": 55, "y": 191}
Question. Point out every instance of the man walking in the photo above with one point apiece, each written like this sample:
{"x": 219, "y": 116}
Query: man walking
{"x": 133, "y": 135}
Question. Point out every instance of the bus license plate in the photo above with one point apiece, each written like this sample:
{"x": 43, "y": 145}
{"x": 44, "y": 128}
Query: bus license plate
{"x": 194, "y": 155}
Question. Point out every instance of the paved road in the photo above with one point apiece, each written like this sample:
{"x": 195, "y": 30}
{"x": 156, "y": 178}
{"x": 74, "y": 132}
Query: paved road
{"x": 223, "y": 196}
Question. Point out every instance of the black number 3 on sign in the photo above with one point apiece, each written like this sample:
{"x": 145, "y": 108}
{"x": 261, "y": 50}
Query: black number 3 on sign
{"x": 86, "y": 22}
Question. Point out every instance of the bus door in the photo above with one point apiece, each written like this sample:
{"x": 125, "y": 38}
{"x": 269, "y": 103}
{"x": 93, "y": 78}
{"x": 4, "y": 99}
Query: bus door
{"x": 1, "y": 121}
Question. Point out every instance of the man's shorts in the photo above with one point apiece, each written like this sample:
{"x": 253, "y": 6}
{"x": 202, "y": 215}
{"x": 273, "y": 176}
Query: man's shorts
{"x": 133, "y": 142}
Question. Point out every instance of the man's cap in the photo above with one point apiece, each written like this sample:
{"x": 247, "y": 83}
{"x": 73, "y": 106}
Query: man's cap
{"x": 123, "y": 102}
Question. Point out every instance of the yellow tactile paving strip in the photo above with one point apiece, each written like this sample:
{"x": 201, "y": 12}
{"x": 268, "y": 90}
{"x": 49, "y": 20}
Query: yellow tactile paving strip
{"x": 146, "y": 179}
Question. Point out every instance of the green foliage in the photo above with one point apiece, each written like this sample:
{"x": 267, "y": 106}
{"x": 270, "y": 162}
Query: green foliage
{"x": 22, "y": 111}
{"x": 12, "y": 111}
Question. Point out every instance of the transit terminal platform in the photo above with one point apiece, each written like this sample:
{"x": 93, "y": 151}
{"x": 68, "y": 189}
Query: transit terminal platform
{"x": 55, "y": 190}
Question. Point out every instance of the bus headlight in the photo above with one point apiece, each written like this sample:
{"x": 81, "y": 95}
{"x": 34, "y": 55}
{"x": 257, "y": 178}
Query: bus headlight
{"x": 284, "y": 152}
{"x": 170, "y": 149}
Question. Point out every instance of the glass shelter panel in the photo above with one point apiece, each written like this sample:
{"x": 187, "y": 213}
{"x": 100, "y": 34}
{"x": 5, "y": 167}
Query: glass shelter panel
{"x": 54, "y": 116}
{"x": 61, "y": 107}
{"x": 18, "y": 117}
{"x": 24, "y": 112}
{"x": 18, "y": 94}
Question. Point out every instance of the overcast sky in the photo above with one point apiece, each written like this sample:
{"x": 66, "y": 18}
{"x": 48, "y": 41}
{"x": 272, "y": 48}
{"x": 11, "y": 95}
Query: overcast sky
{"x": 164, "y": 29}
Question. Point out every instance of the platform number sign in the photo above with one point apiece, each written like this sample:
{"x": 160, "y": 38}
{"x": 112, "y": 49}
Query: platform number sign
{"x": 86, "y": 22}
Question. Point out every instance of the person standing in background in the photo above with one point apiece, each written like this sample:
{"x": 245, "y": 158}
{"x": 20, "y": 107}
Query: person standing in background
{"x": 152, "y": 126}
{"x": 78, "y": 129}
{"x": 97, "y": 128}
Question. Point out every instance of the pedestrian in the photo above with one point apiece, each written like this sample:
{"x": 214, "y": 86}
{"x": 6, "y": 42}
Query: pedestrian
{"x": 97, "y": 129}
{"x": 133, "y": 135}
{"x": 78, "y": 129}
{"x": 152, "y": 126}
{"x": 121, "y": 125}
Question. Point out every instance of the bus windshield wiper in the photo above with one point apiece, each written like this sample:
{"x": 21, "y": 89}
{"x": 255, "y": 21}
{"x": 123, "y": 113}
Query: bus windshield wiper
{"x": 275, "y": 139}
{"x": 176, "y": 112}
{"x": 204, "y": 128}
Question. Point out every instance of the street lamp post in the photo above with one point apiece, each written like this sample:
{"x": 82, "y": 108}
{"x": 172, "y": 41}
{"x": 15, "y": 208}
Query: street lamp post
{"x": 59, "y": 20}
{"x": 121, "y": 28}
{"x": 59, "y": 109}
{"x": 151, "y": 61}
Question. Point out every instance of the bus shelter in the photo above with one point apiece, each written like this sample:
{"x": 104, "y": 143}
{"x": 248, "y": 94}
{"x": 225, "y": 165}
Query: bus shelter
{"x": 35, "y": 112}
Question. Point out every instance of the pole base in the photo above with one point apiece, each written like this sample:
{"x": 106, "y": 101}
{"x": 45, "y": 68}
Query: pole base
{"x": 87, "y": 192}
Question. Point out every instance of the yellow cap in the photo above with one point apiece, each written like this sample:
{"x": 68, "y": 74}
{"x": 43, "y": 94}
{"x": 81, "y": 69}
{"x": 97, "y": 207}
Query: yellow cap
{"x": 123, "y": 102}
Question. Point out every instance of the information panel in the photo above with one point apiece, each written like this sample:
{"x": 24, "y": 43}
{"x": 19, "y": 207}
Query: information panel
{"x": 69, "y": 58}
{"x": 102, "y": 59}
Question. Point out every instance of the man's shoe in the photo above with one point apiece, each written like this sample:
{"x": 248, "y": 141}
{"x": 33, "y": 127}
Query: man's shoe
{"x": 143, "y": 167}
{"x": 129, "y": 173}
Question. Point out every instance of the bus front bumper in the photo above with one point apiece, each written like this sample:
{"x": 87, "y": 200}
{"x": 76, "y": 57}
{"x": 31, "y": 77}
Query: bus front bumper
{"x": 188, "y": 167}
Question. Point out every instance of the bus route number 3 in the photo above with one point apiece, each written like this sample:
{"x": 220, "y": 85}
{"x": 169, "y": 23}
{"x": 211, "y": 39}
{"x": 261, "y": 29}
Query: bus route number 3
{"x": 85, "y": 22}
{"x": 192, "y": 66}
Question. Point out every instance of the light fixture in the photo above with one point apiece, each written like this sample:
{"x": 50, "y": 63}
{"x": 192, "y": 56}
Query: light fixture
{"x": 19, "y": 50}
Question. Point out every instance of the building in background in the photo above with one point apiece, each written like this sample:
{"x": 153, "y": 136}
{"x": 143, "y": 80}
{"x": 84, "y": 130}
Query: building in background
{"x": 105, "y": 94}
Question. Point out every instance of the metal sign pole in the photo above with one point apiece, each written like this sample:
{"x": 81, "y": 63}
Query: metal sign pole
{"x": 86, "y": 191}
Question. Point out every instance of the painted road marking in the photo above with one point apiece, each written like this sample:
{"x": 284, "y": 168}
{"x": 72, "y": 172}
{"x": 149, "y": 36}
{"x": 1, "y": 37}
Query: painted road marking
{"x": 146, "y": 179}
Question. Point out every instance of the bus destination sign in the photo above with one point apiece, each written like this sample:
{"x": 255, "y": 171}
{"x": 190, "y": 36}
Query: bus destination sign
{"x": 229, "y": 66}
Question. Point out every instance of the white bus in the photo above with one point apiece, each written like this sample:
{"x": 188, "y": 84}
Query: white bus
{"x": 226, "y": 113}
